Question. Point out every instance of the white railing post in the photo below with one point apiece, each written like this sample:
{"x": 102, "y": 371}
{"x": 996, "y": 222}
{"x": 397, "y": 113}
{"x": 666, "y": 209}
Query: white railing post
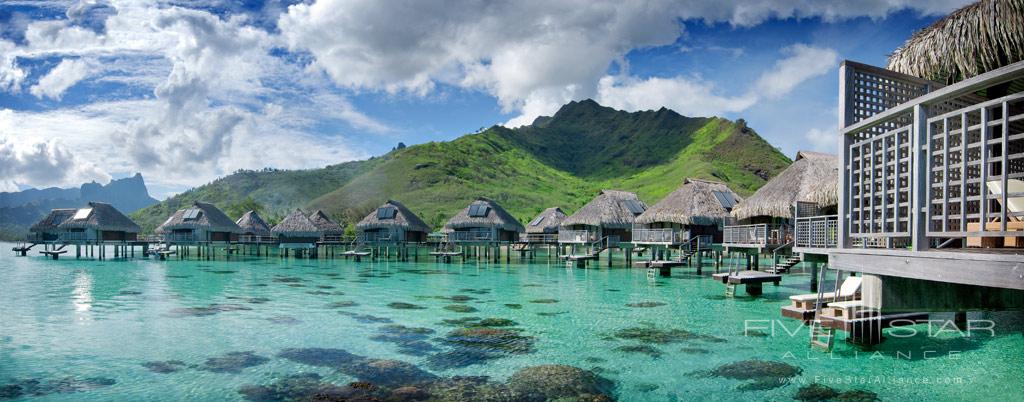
{"x": 920, "y": 172}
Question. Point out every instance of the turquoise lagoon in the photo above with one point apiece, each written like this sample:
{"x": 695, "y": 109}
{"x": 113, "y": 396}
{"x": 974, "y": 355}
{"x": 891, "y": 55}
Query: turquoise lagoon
{"x": 206, "y": 330}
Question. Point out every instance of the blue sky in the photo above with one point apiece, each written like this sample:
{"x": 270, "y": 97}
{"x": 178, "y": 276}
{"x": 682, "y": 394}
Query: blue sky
{"x": 185, "y": 92}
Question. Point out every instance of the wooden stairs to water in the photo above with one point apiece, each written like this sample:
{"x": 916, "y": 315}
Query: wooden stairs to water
{"x": 784, "y": 266}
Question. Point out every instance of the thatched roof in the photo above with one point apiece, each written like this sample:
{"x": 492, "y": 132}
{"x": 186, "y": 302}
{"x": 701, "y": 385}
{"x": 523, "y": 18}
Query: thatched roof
{"x": 970, "y": 41}
{"x": 199, "y": 215}
{"x": 325, "y": 224}
{"x": 547, "y": 222}
{"x": 251, "y": 223}
{"x": 496, "y": 216}
{"x": 693, "y": 203}
{"x": 296, "y": 224}
{"x": 100, "y": 216}
{"x": 403, "y": 218}
{"x": 609, "y": 209}
{"x": 53, "y": 219}
{"x": 813, "y": 177}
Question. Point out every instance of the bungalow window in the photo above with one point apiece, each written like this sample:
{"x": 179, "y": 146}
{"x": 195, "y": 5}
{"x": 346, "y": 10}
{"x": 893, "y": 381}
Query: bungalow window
{"x": 478, "y": 210}
{"x": 387, "y": 212}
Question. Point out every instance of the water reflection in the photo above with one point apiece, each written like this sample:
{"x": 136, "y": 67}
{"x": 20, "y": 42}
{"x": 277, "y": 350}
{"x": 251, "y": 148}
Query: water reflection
{"x": 81, "y": 295}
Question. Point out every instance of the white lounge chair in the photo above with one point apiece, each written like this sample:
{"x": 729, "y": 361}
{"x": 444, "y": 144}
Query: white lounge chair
{"x": 847, "y": 291}
{"x": 1014, "y": 206}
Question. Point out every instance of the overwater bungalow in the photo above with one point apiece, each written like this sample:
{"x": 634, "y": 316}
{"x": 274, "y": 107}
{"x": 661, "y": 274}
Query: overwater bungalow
{"x": 199, "y": 223}
{"x": 483, "y": 221}
{"x": 765, "y": 219}
{"x": 329, "y": 230}
{"x": 544, "y": 228}
{"x": 96, "y": 223}
{"x": 929, "y": 204}
{"x": 698, "y": 208}
{"x": 392, "y": 222}
{"x": 607, "y": 219}
{"x": 254, "y": 228}
{"x": 296, "y": 231}
{"x": 48, "y": 228}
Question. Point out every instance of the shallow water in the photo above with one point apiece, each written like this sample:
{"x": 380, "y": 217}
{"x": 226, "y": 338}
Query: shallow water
{"x": 202, "y": 330}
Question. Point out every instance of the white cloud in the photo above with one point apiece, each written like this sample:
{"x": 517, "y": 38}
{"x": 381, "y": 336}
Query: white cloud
{"x": 695, "y": 97}
{"x": 43, "y": 163}
{"x": 804, "y": 62}
{"x": 69, "y": 72}
{"x": 822, "y": 140}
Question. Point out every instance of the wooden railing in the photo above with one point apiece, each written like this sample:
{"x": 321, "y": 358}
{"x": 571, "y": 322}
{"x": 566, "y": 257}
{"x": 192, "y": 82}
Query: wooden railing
{"x": 941, "y": 163}
{"x": 659, "y": 236}
{"x": 470, "y": 236}
{"x": 755, "y": 235}
{"x": 254, "y": 239}
{"x": 816, "y": 231}
{"x": 576, "y": 236}
{"x": 542, "y": 238}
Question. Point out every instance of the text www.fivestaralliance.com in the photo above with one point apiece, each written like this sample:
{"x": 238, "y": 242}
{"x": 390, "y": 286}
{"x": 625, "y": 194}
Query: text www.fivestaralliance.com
{"x": 876, "y": 380}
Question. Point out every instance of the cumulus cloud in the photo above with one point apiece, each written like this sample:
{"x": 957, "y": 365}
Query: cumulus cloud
{"x": 60, "y": 78}
{"x": 42, "y": 164}
{"x": 695, "y": 97}
{"x": 534, "y": 55}
{"x": 822, "y": 140}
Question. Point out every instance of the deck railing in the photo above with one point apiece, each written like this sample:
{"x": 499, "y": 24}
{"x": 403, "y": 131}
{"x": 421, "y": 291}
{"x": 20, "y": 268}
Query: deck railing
{"x": 922, "y": 162}
{"x": 74, "y": 236}
{"x": 469, "y": 236}
{"x": 816, "y": 231}
{"x": 755, "y": 235}
{"x": 254, "y": 239}
{"x": 541, "y": 238}
{"x": 377, "y": 237}
{"x": 659, "y": 236}
{"x": 576, "y": 236}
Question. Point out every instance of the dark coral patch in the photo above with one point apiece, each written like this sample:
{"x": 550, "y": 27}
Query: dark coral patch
{"x": 233, "y": 362}
{"x": 646, "y": 304}
{"x": 641, "y": 349}
{"x": 544, "y": 301}
{"x": 164, "y": 367}
{"x": 461, "y": 308}
{"x": 514, "y": 306}
{"x": 758, "y": 374}
{"x": 405, "y": 306}
{"x": 207, "y": 310}
{"x": 321, "y": 357}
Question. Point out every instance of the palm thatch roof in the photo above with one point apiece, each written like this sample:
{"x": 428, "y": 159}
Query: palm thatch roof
{"x": 970, "y": 41}
{"x": 296, "y": 224}
{"x": 52, "y": 220}
{"x": 813, "y": 177}
{"x": 100, "y": 216}
{"x": 495, "y": 216}
{"x": 325, "y": 224}
{"x": 199, "y": 215}
{"x": 403, "y": 218}
{"x": 251, "y": 223}
{"x": 693, "y": 203}
{"x": 547, "y": 222}
{"x": 610, "y": 209}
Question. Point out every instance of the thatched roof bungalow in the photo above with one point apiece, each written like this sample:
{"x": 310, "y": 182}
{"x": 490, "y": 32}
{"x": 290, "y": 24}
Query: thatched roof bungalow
{"x": 253, "y": 225}
{"x": 977, "y": 38}
{"x": 392, "y": 222}
{"x": 611, "y": 213}
{"x": 547, "y": 222}
{"x": 296, "y": 231}
{"x": 47, "y": 229}
{"x": 325, "y": 225}
{"x": 697, "y": 208}
{"x": 99, "y": 221}
{"x": 483, "y": 221}
{"x": 813, "y": 177}
{"x": 199, "y": 222}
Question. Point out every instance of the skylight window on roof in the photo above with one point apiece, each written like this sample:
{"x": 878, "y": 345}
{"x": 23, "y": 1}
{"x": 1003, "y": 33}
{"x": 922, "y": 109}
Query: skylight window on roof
{"x": 387, "y": 212}
{"x": 726, "y": 199}
{"x": 478, "y": 210}
{"x": 536, "y": 221}
{"x": 191, "y": 214}
{"x": 634, "y": 206}
{"x": 82, "y": 214}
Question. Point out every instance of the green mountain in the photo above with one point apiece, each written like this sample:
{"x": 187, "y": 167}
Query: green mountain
{"x": 559, "y": 160}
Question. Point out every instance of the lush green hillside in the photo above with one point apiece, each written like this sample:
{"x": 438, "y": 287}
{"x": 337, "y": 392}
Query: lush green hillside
{"x": 560, "y": 160}
{"x": 277, "y": 190}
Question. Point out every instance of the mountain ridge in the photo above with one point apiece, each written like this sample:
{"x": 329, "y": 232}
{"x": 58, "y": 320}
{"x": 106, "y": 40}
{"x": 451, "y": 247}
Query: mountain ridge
{"x": 561, "y": 160}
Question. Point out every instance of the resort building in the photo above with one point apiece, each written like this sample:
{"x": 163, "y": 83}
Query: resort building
{"x": 392, "y": 222}
{"x": 98, "y": 222}
{"x": 296, "y": 231}
{"x": 699, "y": 209}
{"x": 254, "y": 228}
{"x": 544, "y": 228}
{"x": 48, "y": 228}
{"x": 483, "y": 221}
{"x": 199, "y": 223}
{"x": 329, "y": 230}
{"x": 765, "y": 219}
{"x": 931, "y": 183}
{"x": 607, "y": 219}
